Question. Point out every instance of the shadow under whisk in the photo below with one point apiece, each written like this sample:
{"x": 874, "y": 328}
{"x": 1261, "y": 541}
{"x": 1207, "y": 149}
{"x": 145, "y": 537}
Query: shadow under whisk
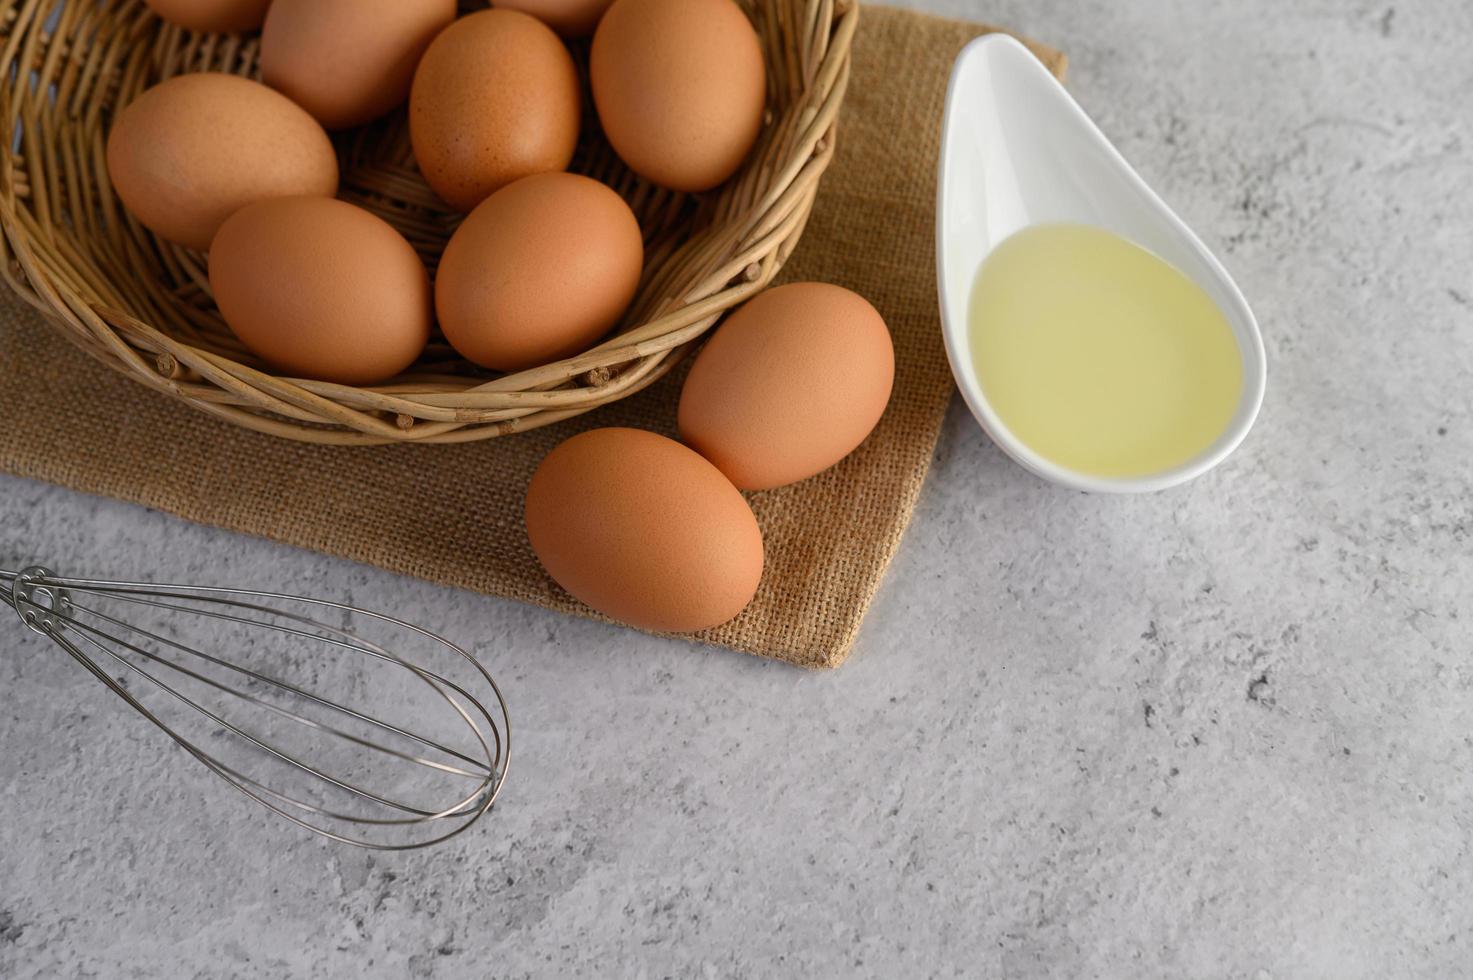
{"x": 369, "y": 731}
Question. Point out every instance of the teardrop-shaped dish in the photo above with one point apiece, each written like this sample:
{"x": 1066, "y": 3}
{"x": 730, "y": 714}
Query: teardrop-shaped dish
{"x": 1017, "y": 151}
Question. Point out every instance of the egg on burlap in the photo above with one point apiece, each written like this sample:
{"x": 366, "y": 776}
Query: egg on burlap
{"x": 789, "y": 385}
{"x": 644, "y": 530}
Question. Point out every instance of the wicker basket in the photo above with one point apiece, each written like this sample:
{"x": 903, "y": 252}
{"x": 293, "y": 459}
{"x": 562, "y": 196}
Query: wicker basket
{"x": 143, "y": 306}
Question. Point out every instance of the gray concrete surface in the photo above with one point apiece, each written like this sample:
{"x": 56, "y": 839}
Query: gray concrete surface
{"x": 1226, "y": 731}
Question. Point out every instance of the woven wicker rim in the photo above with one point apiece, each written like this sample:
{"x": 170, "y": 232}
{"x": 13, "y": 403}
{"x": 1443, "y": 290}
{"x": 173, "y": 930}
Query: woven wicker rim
{"x": 143, "y": 306}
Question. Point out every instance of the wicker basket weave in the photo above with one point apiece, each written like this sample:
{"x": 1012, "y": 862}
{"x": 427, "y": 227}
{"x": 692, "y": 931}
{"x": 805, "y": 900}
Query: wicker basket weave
{"x": 143, "y": 306}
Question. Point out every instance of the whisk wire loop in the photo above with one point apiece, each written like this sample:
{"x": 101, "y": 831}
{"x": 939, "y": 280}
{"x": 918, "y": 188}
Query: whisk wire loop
{"x": 236, "y": 705}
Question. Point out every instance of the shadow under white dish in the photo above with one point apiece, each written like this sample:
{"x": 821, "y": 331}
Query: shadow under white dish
{"x": 1017, "y": 151}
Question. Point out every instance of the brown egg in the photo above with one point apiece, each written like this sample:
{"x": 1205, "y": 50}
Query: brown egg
{"x": 321, "y": 289}
{"x": 494, "y": 98}
{"x": 570, "y": 18}
{"x": 644, "y": 531}
{"x": 538, "y": 272}
{"x": 212, "y": 15}
{"x": 191, "y": 151}
{"x": 680, "y": 87}
{"x": 792, "y": 383}
{"x": 348, "y": 61}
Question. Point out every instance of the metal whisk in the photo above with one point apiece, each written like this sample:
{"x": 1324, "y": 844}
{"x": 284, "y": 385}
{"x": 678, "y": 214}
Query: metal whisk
{"x": 320, "y": 723}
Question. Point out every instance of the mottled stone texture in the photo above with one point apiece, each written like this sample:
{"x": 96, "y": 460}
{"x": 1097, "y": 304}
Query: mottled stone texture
{"x": 1223, "y": 731}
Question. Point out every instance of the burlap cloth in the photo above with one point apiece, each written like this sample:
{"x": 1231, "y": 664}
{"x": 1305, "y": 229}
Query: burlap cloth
{"x": 452, "y": 514}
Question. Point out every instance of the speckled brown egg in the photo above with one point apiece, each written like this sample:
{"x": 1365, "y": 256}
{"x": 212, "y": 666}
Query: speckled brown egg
{"x": 570, "y": 18}
{"x": 789, "y": 385}
{"x": 643, "y": 530}
{"x": 212, "y": 15}
{"x": 680, "y": 87}
{"x": 495, "y": 98}
{"x": 191, "y": 151}
{"x": 538, "y": 271}
{"x": 348, "y": 61}
{"x": 319, "y": 288}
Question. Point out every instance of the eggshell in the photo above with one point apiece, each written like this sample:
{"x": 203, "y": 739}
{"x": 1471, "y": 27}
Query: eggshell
{"x": 321, "y": 289}
{"x": 191, "y": 151}
{"x": 538, "y": 272}
{"x": 792, "y": 383}
{"x": 212, "y": 15}
{"x": 644, "y": 531}
{"x": 680, "y": 87}
{"x": 494, "y": 98}
{"x": 348, "y": 61}
{"x": 570, "y": 18}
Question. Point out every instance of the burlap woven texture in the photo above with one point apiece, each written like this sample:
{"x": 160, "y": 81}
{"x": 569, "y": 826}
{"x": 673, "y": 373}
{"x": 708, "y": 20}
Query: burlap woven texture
{"x": 452, "y": 514}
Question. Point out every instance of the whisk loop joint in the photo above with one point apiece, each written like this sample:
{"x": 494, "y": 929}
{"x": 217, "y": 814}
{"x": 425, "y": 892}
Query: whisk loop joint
{"x": 41, "y": 607}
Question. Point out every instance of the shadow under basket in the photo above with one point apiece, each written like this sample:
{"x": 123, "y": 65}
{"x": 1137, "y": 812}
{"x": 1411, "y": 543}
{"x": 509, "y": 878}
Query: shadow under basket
{"x": 144, "y": 307}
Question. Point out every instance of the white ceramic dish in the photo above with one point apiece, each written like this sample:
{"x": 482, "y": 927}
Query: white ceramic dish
{"x": 1017, "y": 150}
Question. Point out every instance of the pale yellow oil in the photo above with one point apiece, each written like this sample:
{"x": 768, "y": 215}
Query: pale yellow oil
{"x": 1100, "y": 356}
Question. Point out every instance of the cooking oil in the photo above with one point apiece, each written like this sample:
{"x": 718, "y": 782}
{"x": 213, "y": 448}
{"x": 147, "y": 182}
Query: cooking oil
{"x": 1100, "y": 356}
